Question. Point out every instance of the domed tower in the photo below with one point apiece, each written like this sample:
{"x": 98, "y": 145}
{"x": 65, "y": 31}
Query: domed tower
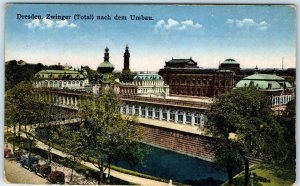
{"x": 126, "y": 68}
{"x": 106, "y": 66}
{"x": 230, "y": 64}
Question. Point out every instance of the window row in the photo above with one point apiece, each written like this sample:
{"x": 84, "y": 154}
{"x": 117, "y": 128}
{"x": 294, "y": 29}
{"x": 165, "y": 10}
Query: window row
{"x": 281, "y": 100}
{"x": 163, "y": 114}
{"x": 58, "y": 83}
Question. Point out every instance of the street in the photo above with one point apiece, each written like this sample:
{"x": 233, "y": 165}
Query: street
{"x": 14, "y": 173}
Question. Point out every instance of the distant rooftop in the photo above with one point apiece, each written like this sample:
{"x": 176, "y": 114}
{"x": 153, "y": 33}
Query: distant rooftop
{"x": 230, "y": 61}
{"x": 267, "y": 82}
{"x": 264, "y": 77}
{"x": 147, "y": 76}
{"x": 180, "y": 60}
{"x": 59, "y": 74}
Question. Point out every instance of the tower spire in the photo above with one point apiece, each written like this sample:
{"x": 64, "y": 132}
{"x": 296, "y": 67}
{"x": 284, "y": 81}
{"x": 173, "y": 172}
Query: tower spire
{"x": 106, "y": 55}
{"x": 126, "y": 68}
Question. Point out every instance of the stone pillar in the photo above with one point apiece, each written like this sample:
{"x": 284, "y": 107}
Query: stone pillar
{"x": 140, "y": 110}
{"x": 176, "y": 116}
{"x": 146, "y": 111}
{"x": 168, "y": 115}
{"x": 193, "y": 118}
{"x": 133, "y": 109}
{"x": 153, "y": 113}
{"x": 160, "y": 113}
{"x": 76, "y": 101}
{"x": 202, "y": 119}
{"x": 184, "y": 117}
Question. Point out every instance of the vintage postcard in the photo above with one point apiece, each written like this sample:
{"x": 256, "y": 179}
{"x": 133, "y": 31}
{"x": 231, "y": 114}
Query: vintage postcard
{"x": 150, "y": 94}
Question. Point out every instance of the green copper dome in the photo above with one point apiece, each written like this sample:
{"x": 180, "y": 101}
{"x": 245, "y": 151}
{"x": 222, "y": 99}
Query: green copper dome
{"x": 268, "y": 82}
{"x": 106, "y": 66}
{"x": 230, "y": 61}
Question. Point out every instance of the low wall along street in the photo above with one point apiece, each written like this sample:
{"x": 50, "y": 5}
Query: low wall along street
{"x": 182, "y": 142}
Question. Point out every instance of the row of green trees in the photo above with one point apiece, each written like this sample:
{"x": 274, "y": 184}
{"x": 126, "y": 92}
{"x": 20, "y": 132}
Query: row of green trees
{"x": 104, "y": 136}
{"x": 245, "y": 128}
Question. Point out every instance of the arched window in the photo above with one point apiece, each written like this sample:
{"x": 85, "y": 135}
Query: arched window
{"x": 180, "y": 117}
{"x": 172, "y": 115}
{"x": 150, "y": 112}
{"x": 164, "y": 115}
{"x": 143, "y": 109}
{"x": 188, "y": 118}
{"x": 197, "y": 118}
{"x": 136, "y": 110}
{"x": 157, "y": 113}
{"x": 130, "y": 109}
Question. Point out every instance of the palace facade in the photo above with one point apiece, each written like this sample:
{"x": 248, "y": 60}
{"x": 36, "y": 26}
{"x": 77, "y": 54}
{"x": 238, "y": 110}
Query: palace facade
{"x": 71, "y": 79}
{"x": 185, "y": 78}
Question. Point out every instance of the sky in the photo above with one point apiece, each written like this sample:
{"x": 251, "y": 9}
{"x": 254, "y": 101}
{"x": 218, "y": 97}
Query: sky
{"x": 254, "y": 35}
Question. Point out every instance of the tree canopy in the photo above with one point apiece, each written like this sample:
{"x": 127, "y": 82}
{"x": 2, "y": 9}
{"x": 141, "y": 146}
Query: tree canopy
{"x": 244, "y": 127}
{"x": 108, "y": 135}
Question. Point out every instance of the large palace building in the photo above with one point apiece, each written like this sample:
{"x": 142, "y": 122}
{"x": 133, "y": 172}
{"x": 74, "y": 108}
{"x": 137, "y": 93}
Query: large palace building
{"x": 185, "y": 78}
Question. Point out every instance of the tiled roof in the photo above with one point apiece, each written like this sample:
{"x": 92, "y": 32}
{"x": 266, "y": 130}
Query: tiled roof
{"x": 59, "y": 74}
{"x": 147, "y": 76}
{"x": 264, "y": 77}
{"x": 264, "y": 81}
{"x": 179, "y": 60}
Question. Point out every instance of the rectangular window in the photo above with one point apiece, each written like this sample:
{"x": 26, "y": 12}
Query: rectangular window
{"x": 150, "y": 112}
{"x": 143, "y": 114}
{"x": 136, "y": 110}
{"x": 180, "y": 117}
{"x": 157, "y": 113}
{"x": 188, "y": 118}
{"x": 172, "y": 116}
{"x": 197, "y": 119}
{"x": 164, "y": 115}
{"x": 130, "y": 109}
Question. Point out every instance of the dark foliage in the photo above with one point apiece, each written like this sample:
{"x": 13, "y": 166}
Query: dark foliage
{"x": 15, "y": 73}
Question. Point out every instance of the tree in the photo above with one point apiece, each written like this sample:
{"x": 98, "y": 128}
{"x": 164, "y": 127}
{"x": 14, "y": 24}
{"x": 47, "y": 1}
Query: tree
{"x": 221, "y": 125}
{"x": 127, "y": 77}
{"x": 93, "y": 76}
{"x": 23, "y": 108}
{"x": 245, "y": 112}
{"x": 72, "y": 142}
{"x": 108, "y": 135}
{"x": 287, "y": 153}
{"x": 14, "y": 73}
